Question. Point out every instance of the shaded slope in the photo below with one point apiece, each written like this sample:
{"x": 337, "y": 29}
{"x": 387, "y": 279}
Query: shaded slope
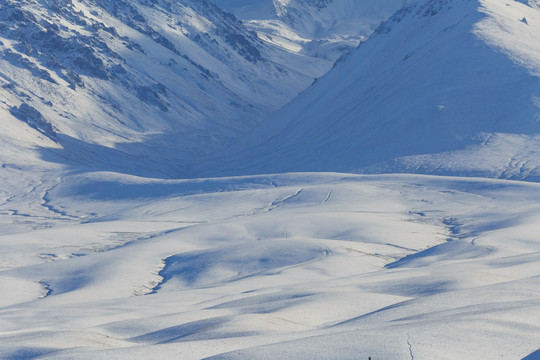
{"x": 438, "y": 76}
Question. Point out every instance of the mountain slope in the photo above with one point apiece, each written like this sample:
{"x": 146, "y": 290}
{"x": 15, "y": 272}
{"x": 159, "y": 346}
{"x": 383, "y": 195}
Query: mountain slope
{"x": 96, "y": 263}
{"x": 323, "y": 28}
{"x": 138, "y": 86}
{"x": 438, "y": 76}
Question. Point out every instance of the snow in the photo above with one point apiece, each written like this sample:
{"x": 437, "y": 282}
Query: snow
{"x": 308, "y": 265}
{"x": 432, "y": 83}
{"x": 106, "y": 254}
{"x": 523, "y": 49}
{"x": 142, "y": 77}
{"x": 317, "y": 29}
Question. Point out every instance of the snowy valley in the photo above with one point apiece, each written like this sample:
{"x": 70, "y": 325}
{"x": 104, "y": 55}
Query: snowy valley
{"x": 233, "y": 179}
{"x": 441, "y": 87}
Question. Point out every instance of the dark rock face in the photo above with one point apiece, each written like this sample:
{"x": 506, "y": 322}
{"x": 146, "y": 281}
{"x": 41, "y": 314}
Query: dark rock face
{"x": 34, "y": 119}
{"x": 73, "y": 54}
{"x": 66, "y": 52}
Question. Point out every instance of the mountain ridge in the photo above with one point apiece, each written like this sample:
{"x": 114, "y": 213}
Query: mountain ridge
{"x": 437, "y": 77}
{"x": 114, "y": 74}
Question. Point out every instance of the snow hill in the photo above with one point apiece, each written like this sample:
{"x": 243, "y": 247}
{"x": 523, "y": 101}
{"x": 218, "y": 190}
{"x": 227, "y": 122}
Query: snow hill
{"x": 440, "y": 87}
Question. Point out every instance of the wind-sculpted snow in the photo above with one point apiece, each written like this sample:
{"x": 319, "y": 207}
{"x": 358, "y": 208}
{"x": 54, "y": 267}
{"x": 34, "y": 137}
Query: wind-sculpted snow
{"x": 338, "y": 266}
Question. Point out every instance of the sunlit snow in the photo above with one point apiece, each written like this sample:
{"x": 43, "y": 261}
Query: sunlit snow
{"x": 304, "y": 238}
{"x": 309, "y": 265}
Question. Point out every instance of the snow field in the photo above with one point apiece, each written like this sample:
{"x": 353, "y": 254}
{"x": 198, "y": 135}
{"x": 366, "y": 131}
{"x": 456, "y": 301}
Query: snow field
{"x": 303, "y": 265}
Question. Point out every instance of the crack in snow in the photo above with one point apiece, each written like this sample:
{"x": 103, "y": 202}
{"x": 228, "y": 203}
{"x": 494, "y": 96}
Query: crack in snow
{"x": 276, "y": 203}
{"x": 47, "y": 289}
{"x": 152, "y": 285}
{"x": 410, "y": 347}
{"x": 287, "y": 198}
{"x": 45, "y": 202}
{"x": 327, "y": 197}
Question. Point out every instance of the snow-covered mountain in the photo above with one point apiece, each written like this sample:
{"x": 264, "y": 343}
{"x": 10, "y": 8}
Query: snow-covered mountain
{"x": 153, "y": 87}
{"x": 440, "y": 87}
{"x": 320, "y": 28}
{"x": 103, "y": 256}
{"x": 137, "y": 86}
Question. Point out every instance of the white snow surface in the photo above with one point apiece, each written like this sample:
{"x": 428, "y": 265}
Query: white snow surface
{"x": 321, "y": 28}
{"x": 442, "y": 87}
{"x": 104, "y": 256}
{"x": 160, "y": 84}
{"x": 313, "y": 265}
